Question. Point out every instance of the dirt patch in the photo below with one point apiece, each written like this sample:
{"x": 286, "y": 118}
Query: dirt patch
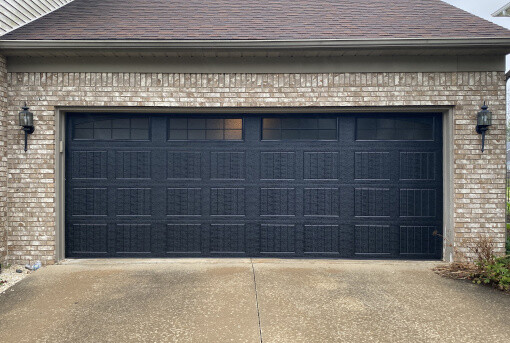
{"x": 10, "y": 277}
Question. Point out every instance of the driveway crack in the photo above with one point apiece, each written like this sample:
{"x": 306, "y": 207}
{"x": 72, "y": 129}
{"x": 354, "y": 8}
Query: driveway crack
{"x": 256, "y": 298}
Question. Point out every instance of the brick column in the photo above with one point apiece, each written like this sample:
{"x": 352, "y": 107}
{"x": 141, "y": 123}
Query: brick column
{"x": 3, "y": 158}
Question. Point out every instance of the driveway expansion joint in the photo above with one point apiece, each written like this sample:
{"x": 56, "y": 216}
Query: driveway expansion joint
{"x": 256, "y": 298}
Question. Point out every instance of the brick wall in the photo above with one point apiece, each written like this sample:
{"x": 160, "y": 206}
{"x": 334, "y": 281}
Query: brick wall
{"x": 479, "y": 179}
{"x": 3, "y": 159}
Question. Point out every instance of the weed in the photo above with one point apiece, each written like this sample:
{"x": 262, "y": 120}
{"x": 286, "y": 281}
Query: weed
{"x": 486, "y": 268}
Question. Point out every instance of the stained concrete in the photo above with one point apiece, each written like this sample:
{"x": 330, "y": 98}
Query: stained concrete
{"x": 215, "y": 300}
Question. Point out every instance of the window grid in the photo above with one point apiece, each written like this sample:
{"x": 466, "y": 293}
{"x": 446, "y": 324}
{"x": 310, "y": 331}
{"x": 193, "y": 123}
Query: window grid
{"x": 299, "y": 128}
{"x": 228, "y": 129}
{"x": 113, "y": 129}
{"x": 395, "y": 129}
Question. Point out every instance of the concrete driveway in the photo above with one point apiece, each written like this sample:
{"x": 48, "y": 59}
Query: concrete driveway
{"x": 243, "y": 300}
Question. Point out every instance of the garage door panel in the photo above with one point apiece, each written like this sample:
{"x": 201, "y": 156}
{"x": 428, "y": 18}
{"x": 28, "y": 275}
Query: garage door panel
{"x": 227, "y": 202}
{"x": 321, "y": 239}
{"x": 184, "y": 238}
{"x": 418, "y": 202}
{"x": 322, "y": 202}
{"x": 417, "y": 166}
{"x": 133, "y": 202}
{"x": 373, "y": 239}
{"x": 89, "y": 201}
{"x": 372, "y": 202}
{"x": 372, "y": 165}
{"x": 89, "y": 165}
{"x": 134, "y": 238}
{"x": 184, "y": 165}
{"x": 277, "y": 165}
{"x": 184, "y": 201}
{"x": 87, "y": 238}
{"x": 318, "y": 165}
{"x": 133, "y": 165}
{"x": 419, "y": 240}
{"x": 170, "y": 190}
{"x": 278, "y": 238}
{"x": 278, "y": 202}
{"x": 227, "y": 239}
{"x": 227, "y": 165}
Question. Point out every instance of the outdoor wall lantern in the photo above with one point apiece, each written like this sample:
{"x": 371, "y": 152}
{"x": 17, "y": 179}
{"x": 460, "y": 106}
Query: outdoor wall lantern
{"x": 26, "y": 121}
{"x": 483, "y": 121}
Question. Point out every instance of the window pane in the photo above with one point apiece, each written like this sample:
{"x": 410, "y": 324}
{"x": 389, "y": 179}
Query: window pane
{"x": 214, "y": 134}
{"x": 103, "y": 124}
{"x": 366, "y": 134}
{"x": 290, "y": 134}
{"x": 102, "y": 134}
{"x": 424, "y": 135}
{"x": 83, "y": 134}
{"x": 366, "y": 124}
{"x": 205, "y": 128}
{"x": 396, "y": 128}
{"x": 236, "y": 124}
{"x": 196, "y": 123}
{"x": 215, "y": 124}
{"x": 271, "y": 134}
{"x": 121, "y": 124}
{"x": 120, "y": 134}
{"x": 383, "y": 123}
{"x": 178, "y": 134}
{"x": 85, "y": 125}
{"x": 271, "y": 123}
{"x": 300, "y": 128}
{"x": 327, "y": 123}
{"x": 178, "y": 123}
{"x": 291, "y": 123}
{"x": 196, "y": 134}
{"x": 386, "y": 134}
{"x": 327, "y": 134}
{"x": 140, "y": 123}
{"x": 308, "y": 123}
{"x": 234, "y": 135}
{"x": 140, "y": 134}
{"x": 309, "y": 134}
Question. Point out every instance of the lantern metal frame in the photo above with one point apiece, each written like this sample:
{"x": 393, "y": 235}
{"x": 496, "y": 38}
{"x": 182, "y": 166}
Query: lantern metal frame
{"x": 26, "y": 121}
{"x": 483, "y": 122}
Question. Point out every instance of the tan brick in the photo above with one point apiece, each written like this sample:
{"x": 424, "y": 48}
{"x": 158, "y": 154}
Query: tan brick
{"x": 27, "y": 201}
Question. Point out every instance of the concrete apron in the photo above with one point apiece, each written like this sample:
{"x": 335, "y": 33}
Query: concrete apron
{"x": 245, "y": 300}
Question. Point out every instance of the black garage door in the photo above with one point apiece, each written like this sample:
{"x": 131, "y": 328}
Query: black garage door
{"x": 343, "y": 185}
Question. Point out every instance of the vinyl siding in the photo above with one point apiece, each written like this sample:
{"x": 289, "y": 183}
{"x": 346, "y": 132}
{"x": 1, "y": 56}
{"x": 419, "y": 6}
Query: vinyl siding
{"x": 15, "y": 13}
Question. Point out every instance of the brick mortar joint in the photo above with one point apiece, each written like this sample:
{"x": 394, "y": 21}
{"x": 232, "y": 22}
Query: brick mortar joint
{"x": 56, "y": 93}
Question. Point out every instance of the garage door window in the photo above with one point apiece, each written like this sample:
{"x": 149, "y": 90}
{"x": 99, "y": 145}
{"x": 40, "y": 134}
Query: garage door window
{"x": 112, "y": 129}
{"x": 228, "y": 129}
{"x": 304, "y": 128}
{"x": 395, "y": 129}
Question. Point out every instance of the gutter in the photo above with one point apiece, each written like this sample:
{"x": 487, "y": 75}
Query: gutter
{"x": 482, "y": 42}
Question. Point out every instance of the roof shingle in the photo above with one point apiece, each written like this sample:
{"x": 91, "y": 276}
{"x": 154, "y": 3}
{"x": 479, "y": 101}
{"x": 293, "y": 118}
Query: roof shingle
{"x": 256, "y": 20}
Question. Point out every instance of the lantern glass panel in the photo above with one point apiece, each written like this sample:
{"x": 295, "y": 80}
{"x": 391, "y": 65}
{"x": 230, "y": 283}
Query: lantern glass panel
{"x": 484, "y": 118}
{"x": 26, "y": 118}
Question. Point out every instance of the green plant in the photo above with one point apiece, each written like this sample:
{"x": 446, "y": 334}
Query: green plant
{"x": 496, "y": 272}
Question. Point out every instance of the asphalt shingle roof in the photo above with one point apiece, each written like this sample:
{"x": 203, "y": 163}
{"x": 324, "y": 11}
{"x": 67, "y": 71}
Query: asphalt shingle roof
{"x": 256, "y": 20}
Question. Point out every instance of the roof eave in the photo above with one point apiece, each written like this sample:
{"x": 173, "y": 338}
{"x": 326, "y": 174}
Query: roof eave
{"x": 481, "y": 42}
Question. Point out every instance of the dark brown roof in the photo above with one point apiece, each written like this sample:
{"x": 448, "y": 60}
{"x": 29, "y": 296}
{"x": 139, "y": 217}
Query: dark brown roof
{"x": 256, "y": 20}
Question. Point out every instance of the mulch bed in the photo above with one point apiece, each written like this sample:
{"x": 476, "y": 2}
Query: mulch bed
{"x": 457, "y": 270}
{"x": 461, "y": 271}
